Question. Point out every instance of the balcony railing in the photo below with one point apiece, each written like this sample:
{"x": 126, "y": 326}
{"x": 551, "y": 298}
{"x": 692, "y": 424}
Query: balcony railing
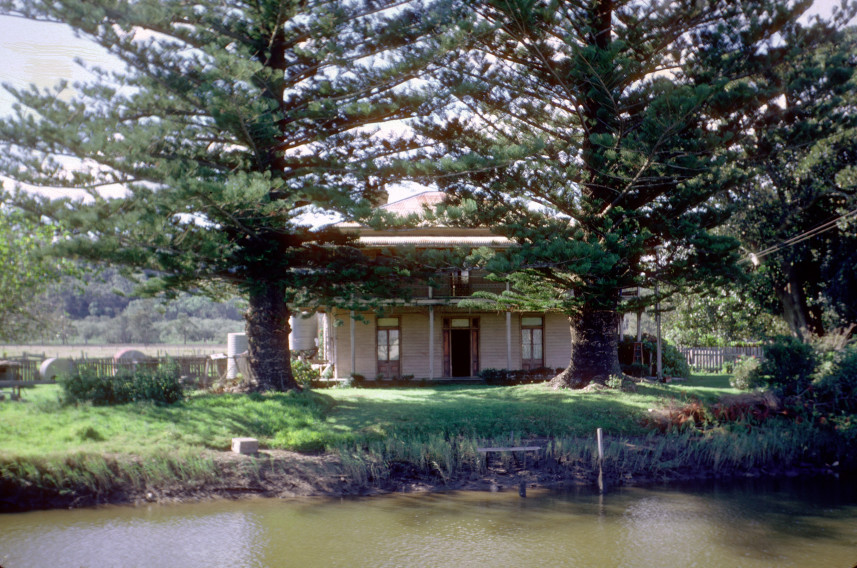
{"x": 455, "y": 286}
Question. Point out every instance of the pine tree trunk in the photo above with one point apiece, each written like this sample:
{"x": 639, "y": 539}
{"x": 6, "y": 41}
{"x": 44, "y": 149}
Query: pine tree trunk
{"x": 267, "y": 325}
{"x": 594, "y": 349}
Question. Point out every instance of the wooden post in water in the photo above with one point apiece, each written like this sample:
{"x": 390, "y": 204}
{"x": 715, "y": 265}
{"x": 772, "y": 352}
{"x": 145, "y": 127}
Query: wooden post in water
{"x": 600, "y": 436}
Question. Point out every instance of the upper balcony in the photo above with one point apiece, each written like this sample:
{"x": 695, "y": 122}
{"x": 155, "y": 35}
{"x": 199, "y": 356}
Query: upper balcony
{"x": 454, "y": 286}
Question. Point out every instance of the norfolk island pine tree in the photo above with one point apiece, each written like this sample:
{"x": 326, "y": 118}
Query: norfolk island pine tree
{"x": 232, "y": 120}
{"x": 602, "y": 137}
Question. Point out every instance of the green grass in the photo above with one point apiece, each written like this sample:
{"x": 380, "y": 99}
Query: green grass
{"x": 706, "y": 387}
{"x": 435, "y": 430}
{"x": 39, "y": 425}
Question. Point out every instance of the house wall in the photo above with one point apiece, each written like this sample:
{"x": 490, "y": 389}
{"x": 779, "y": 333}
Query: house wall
{"x": 415, "y": 345}
{"x": 557, "y": 341}
{"x": 492, "y": 341}
{"x": 415, "y": 354}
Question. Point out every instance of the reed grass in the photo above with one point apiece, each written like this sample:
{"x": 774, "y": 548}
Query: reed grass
{"x": 98, "y": 475}
{"x": 774, "y": 446}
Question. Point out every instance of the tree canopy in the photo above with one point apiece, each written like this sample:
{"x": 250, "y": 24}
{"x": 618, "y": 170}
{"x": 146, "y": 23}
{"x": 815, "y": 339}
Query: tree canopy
{"x": 798, "y": 210}
{"x": 607, "y": 138}
{"x": 232, "y": 121}
{"x": 25, "y": 273}
{"x": 602, "y": 137}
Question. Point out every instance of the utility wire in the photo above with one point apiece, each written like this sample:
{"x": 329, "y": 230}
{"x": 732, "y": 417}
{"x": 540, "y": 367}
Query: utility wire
{"x": 824, "y": 227}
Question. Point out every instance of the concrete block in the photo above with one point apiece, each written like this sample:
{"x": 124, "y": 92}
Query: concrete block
{"x": 246, "y": 446}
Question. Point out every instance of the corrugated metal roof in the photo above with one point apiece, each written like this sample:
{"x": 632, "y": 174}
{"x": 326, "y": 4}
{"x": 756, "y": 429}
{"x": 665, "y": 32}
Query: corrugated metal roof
{"x": 415, "y": 203}
{"x": 451, "y": 241}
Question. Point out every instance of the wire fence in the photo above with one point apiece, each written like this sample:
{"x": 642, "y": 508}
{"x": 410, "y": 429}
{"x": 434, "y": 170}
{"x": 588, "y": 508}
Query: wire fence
{"x": 197, "y": 367}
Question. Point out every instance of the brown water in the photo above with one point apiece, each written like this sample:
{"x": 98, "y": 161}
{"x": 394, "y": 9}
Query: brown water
{"x": 754, "y": 524}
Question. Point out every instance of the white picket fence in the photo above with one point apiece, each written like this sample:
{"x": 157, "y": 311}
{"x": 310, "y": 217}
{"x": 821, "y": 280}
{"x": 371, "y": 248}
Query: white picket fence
{"x": 713, "y": 358}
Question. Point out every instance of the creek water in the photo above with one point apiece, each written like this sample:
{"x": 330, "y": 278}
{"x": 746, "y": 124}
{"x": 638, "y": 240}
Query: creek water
{"x": 754, "y": 523}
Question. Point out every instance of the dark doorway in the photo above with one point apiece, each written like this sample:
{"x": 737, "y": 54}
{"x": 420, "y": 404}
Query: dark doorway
{"x": 460, "y": 347}
{"x": 460, "y": 352}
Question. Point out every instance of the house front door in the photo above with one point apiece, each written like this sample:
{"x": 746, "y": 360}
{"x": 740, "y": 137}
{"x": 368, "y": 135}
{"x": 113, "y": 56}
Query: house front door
{"x": 460, "y": 347}
{"x": 389, "y": 348}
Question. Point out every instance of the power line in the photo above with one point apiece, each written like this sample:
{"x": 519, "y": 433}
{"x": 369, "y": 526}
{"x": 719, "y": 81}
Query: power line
{"x": 824, "y": 227}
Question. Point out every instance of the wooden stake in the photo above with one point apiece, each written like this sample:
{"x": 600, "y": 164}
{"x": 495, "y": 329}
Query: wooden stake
{"x": 600, "y": 436}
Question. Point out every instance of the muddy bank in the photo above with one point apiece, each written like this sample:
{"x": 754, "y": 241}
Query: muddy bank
{"x": 283, "y": 474}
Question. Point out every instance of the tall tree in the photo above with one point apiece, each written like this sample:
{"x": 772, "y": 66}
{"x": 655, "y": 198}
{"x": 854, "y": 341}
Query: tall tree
{"x": 599, "y": 136}
{"x": 799, "y": 211}
{"x": 233, "y": 119}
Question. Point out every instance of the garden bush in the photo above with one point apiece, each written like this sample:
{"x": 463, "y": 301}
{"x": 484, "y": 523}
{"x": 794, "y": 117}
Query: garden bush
{"x": 838, "y": 387}
{"x": 789, "y": 365}
{"x": 746, "y": 374}
{"x": 517, "y": 376}
{"x": 160, "y": 385}
{"x": 304, "y": 372}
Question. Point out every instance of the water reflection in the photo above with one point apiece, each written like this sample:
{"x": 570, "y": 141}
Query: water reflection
{"x": 750, "y": 525}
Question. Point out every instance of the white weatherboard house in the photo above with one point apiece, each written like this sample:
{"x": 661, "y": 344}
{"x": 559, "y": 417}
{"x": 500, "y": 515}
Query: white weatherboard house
{"x": 430, "y": 336}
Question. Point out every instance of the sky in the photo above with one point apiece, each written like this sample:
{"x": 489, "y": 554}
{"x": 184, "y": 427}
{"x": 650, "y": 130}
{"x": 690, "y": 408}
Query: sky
{"x": 43, "y": 54}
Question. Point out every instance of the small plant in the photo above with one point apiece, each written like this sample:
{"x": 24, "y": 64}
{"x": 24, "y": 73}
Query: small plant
{"x": 615, "y": 382}
{"x": 90, "y": 433}
{"x": 304, "y": 372}
{"x": 746, "y": 374}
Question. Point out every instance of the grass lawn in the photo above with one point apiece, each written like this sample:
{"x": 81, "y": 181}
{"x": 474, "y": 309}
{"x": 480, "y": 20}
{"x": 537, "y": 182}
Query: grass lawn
{"x": 326, "y": 419}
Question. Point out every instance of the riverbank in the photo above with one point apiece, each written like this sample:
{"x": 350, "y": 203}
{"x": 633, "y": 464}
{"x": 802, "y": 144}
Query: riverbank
{"x": 284, "y": 474}
{"x": 364, "y": 441}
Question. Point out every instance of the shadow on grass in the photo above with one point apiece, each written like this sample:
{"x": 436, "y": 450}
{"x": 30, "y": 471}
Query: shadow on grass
{"x": 489, "y": 412}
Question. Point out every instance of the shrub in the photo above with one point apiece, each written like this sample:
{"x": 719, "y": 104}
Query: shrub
{"x": 85, "y": 385}
{"x": 304, "y": 372}
{"x": 789, "y": 365}
{"x": 838, "y": 387}
{"x": 159, "y": 385}
{"x": 517, "y": 376}
{"x": 494, "y": 376}
{"x": 746, "y": 374}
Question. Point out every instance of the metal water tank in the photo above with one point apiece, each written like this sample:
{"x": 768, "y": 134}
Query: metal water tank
{"x": 236, "y": 343}
{"x": 54, "y": 367}
{"x": 304, "y": 332}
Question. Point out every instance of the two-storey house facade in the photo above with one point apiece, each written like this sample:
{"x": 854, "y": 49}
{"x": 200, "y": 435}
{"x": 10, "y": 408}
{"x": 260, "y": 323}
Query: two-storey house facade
{"x": 431, "y": 335}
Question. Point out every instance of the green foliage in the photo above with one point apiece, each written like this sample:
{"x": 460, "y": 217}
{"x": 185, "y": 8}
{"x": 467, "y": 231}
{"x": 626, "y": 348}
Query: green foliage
{"x": 627, "y": 165}
{"x": 674, "y": 364}
{"x": 517, "y": 376}
{"x": 745, "y": 374}
{"x": 160, "y": 385}
{"x": 26, "y": 273}
{"x": 789, "y": 365}
{"x": 304, "y": 372}
{"x": 838, "y": 386}
{"x": 717, "y": 318}
{"x": 802, "y": 157}
{"x": 234, "y": 121}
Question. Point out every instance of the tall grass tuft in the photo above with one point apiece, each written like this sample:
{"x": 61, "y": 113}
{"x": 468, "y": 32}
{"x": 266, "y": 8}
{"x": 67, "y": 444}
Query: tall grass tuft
{"x": 97, "y": 475}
